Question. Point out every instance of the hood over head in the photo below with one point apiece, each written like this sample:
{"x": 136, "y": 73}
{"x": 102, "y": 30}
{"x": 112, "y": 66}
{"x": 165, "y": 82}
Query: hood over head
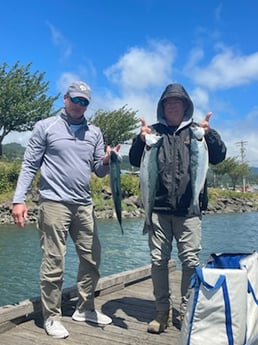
{"x": 175, "y": 90}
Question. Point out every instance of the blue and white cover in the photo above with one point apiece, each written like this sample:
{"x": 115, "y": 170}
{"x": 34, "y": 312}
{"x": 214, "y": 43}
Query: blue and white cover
{"x": 223, "y": 306}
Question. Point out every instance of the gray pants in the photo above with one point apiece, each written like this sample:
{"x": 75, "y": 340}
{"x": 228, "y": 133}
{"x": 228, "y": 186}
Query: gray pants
{"x": 187, "y": 233}
{"x": 56, "y": 221}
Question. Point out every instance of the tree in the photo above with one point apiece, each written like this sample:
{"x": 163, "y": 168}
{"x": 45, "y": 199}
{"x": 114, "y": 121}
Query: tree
{"x": 23, "y": 99}
{"x": 232, "y": 168}
{"x": 223, "y": 168}
{"x": 117, "y": 126}
{"x": 239, "y": 171}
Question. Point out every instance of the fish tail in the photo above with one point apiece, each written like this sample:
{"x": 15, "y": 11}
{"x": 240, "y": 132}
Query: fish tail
{"x": 119, "y": 218}
{"x": 148, "y": 220}
{"x": 194, "y": 210}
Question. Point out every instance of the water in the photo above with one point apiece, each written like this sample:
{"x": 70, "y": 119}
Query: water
{"x": 20, "y": 254}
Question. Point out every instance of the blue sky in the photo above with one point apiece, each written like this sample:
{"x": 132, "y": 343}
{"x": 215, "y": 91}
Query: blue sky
{"x": 129, "y": 50}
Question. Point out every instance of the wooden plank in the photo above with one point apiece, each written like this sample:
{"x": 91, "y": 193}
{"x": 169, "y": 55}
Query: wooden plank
{"x": 22, "y": 309}
{"x": 130, "y": 307}
{"x": 115, "y": 281}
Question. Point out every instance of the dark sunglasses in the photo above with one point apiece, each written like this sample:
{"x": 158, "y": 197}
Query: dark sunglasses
{"x": 83, "y": 102}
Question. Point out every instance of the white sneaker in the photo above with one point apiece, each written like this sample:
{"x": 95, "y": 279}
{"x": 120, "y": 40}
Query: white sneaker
{"x": 55, "y": 329}
{"x": 91, "y": 316}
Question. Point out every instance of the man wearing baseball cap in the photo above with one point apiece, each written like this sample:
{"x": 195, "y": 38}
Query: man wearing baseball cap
{"x": 79, "y": 89}
{"x": 66, "y": 149}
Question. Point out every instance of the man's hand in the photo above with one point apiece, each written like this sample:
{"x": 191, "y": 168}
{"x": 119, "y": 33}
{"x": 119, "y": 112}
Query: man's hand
{"x": 205, "y": 123}
{"x": 144, "y": 129}
{"x": 20, "y": 214}
{"x": 108, "y": 151}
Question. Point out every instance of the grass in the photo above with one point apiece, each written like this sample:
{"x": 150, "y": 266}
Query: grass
{"x": 106, "y": 203}
{"x": 217, "y": 193}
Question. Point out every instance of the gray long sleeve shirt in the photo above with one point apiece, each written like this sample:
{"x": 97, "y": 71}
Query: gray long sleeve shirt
{"x": 66, "y": 160}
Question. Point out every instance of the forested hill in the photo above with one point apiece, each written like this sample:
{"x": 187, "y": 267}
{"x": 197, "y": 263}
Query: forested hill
{"x": 16, "y": 151}
{"x": 13, "y": 151}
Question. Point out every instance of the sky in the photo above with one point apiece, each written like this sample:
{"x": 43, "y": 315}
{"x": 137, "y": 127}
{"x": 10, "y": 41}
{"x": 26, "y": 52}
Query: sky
{"x": 128, "y": 51}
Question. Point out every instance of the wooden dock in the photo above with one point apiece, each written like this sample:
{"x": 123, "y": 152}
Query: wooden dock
{"x": 126, "y": 297}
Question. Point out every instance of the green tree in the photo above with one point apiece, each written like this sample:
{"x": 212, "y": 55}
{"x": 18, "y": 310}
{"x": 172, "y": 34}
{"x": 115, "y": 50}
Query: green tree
{"x": 117, "y": 126}
{"x": 232, "y": 168}
{"x": 238, "y": 172}
{"x": 223, "y": 168}
{"x": 23, "y": 99}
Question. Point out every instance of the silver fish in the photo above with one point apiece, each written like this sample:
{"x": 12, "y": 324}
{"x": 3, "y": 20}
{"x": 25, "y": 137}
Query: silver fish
{"x": 199, "y": 164}
{"x": 115, "y": 182}
{"x": 149, "y": 174}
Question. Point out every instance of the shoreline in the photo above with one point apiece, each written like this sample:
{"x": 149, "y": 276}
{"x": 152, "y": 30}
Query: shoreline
{"x": 223, "y": 205}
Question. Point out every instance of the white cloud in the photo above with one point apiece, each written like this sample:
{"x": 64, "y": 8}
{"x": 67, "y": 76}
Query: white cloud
{"x": 65, "y": 80}
{"x": 195, "y": 56}
{"x": 141, "y": 75}
{"x": 60, "y": 41}
{"x": 218, "y": 12}
{"x": 200, "y": 98}
{"x": 142, "y": 68}
{"x": 227, "y": 69}
{"x": 244, "y": 130}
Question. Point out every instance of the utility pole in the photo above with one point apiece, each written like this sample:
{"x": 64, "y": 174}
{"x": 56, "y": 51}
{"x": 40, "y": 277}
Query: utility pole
{"x": 242, "y": 153}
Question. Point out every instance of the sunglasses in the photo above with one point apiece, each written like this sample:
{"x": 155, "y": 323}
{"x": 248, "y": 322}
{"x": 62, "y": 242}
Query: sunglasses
{"x": 76, "y": 100}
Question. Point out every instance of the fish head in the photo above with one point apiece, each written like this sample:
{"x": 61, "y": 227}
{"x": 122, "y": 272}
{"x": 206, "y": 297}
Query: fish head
{"x": 151, "y": 139}
{"x": 198, "y": 132}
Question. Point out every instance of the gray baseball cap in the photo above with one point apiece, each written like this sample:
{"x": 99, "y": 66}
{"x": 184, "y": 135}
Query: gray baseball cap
{"x": 79, "y": 89}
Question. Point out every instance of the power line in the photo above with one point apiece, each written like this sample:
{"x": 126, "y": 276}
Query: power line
{"x": 242, "y": 144}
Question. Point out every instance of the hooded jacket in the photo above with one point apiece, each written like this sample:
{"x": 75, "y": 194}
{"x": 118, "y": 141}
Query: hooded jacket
{"x": 174, "y": 191}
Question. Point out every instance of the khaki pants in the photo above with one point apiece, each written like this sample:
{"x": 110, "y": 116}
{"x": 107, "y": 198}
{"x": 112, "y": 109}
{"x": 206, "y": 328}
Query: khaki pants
{"x": 56, "y": 221}
{"x": 187, "y": 233}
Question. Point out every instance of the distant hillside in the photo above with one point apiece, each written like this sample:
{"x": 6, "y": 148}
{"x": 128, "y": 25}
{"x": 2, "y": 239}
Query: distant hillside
{"x": 13, "y": 151}
{"x": 253, "y": 170}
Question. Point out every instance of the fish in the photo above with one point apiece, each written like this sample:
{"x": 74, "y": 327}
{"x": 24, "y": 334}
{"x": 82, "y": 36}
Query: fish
{"x": 115, "y": 183}
{"x": 149, "y": 174}
{"x": 199, "y": 164}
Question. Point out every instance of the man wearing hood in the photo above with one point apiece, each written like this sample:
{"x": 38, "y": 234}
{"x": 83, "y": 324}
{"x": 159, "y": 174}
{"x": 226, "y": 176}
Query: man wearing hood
{"x": 170, "y": 216}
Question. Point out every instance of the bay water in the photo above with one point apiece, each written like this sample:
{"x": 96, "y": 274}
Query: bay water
{"x": 20, "y": 254}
